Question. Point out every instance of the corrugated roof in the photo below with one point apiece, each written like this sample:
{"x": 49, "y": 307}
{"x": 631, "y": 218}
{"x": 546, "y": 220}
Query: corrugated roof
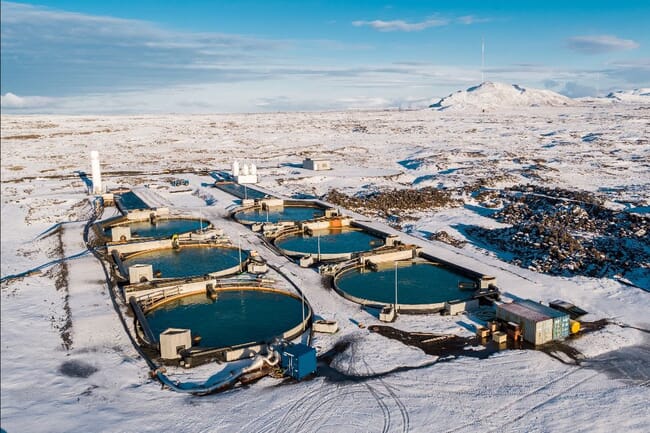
{"x": 542, "y": 308}
{"x": 525, "y": 312}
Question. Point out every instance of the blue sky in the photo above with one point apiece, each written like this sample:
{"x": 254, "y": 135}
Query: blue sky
{"x": 246, "y": 56}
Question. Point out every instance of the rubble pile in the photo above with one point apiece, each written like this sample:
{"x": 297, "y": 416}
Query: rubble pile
{"x": 565, "y": 232}
{"x": 443, "y": 236}
{"x": 394, "y": 202}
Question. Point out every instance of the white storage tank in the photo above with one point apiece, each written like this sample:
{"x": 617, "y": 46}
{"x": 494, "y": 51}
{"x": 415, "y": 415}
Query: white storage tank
{"x": 96, "y": 172}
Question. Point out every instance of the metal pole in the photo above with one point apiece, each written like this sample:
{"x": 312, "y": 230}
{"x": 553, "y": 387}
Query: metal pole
{"x": 239, "y": 246}
{"x": 395, "y": 287}
{"x": 302, "y": 297}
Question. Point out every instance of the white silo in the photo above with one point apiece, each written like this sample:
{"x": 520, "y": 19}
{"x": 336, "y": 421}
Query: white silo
{"x": 244, "y": 170}
{"x": 253, "y": 169}
{"x": 235, "y": 168}
{"x": 96, "y": 172}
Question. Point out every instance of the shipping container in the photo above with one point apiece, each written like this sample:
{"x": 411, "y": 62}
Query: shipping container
{"x": 560, "y": 319}
{"x": 537, "y": 328}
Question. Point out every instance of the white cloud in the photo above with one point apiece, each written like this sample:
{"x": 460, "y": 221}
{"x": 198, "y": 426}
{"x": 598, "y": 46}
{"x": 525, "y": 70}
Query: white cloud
{"x": 52, "y": 52}
{"x": 11, "y": 101}
{"x": 598, "y": 44}
{"x": 400, "y": 25}
{"x": 471, "y": 19}
{"x": 404, "y": 26}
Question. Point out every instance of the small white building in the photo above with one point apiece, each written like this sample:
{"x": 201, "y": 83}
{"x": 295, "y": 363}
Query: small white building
{"x": 173, "y": 340}
{"x": 120, "y": 233}
{"x": 140, "y": 273}
{"x": 244, "y": 174}
{"x": 316, "y": 164}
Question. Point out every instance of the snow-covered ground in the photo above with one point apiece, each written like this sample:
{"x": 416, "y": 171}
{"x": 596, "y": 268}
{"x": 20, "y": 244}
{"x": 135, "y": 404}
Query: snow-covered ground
{"x": 68, "y": 365}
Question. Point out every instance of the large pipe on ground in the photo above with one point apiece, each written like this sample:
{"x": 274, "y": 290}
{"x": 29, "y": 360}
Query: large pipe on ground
{"x": 202, "y": 389}
{"x": 139, "y": 314}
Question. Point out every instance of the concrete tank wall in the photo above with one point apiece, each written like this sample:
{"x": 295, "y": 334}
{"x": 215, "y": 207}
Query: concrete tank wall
{"x": 135, "y": 247}
{"x": 388, "y": 257}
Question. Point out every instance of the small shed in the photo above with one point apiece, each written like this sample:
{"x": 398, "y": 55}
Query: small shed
{"x": 299, "y": 360}
{"x": 120, "y": 233}
{"x": 316, "y": 164}
{"x": 140, "y": 273}
{"x": 172, "y": 341}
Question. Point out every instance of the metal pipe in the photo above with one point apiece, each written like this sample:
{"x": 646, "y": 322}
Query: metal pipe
{"x": 148, "y": 333}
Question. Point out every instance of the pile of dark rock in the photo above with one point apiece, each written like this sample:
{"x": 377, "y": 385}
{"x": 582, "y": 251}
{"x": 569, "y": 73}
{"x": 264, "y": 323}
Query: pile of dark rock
{"x": 564, "y": 232}
{"x": 394, "y": 202}
{"x": 443, "y": 236}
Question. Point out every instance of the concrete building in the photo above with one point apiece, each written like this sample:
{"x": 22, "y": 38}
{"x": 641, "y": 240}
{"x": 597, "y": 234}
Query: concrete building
{"x": 244, "y": 174}
{"x": 316, "y": 164}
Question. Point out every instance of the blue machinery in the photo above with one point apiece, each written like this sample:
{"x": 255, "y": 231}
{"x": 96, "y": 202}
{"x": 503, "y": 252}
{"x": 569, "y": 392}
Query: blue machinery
{"x": 298, "y": 360}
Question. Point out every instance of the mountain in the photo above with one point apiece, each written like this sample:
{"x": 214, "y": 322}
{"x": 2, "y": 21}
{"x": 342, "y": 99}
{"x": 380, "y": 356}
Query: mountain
{"x": 636, "y": 95}
{"x": 490, "y": 95}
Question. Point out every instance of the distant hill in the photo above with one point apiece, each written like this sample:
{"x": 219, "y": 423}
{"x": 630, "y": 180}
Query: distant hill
{"x": 636, "y": 95}
{"x": 490, "y": 95}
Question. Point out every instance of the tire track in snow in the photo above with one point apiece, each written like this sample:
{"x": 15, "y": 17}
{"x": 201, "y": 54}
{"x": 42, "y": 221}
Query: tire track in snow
{"x": 544, "y": 402}
{"x": 398, "y": 401}
{"x": 514, "y": 402}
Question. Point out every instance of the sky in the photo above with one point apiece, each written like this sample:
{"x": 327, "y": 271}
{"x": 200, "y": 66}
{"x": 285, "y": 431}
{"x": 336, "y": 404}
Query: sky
{"x": 193, "y": 56}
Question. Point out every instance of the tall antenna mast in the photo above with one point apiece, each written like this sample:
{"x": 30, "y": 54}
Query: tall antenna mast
{"x": 482, "y": 59}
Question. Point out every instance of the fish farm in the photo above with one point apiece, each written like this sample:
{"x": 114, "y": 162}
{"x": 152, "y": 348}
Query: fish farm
{"x": 189, "y": 260}
{"x": 235, "y": 317}
{"x": 161, "y": 228}
{"x": 278, "y": 214}
{"x": 414, "y": 283}
{"x": 332, "y": 243}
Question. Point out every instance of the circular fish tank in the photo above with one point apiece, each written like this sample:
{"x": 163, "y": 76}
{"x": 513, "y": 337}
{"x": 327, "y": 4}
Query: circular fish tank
{"x": 419, "y": 285}
{"x": 275, "y": 215}
{"x": 189, "y": 261}
{"x": 236, "y": 317}
{"x": 162, "y": 228}
{"x": 329, "y": 243}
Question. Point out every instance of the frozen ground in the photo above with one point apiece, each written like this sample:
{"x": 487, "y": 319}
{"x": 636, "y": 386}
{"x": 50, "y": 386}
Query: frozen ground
{"x": 68, "y": 365}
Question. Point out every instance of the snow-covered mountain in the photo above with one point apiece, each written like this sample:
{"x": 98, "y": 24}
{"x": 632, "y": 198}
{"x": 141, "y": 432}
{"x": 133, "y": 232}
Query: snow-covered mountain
{"x": 636, "y": 95}
{"x": 489, "y": 95}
